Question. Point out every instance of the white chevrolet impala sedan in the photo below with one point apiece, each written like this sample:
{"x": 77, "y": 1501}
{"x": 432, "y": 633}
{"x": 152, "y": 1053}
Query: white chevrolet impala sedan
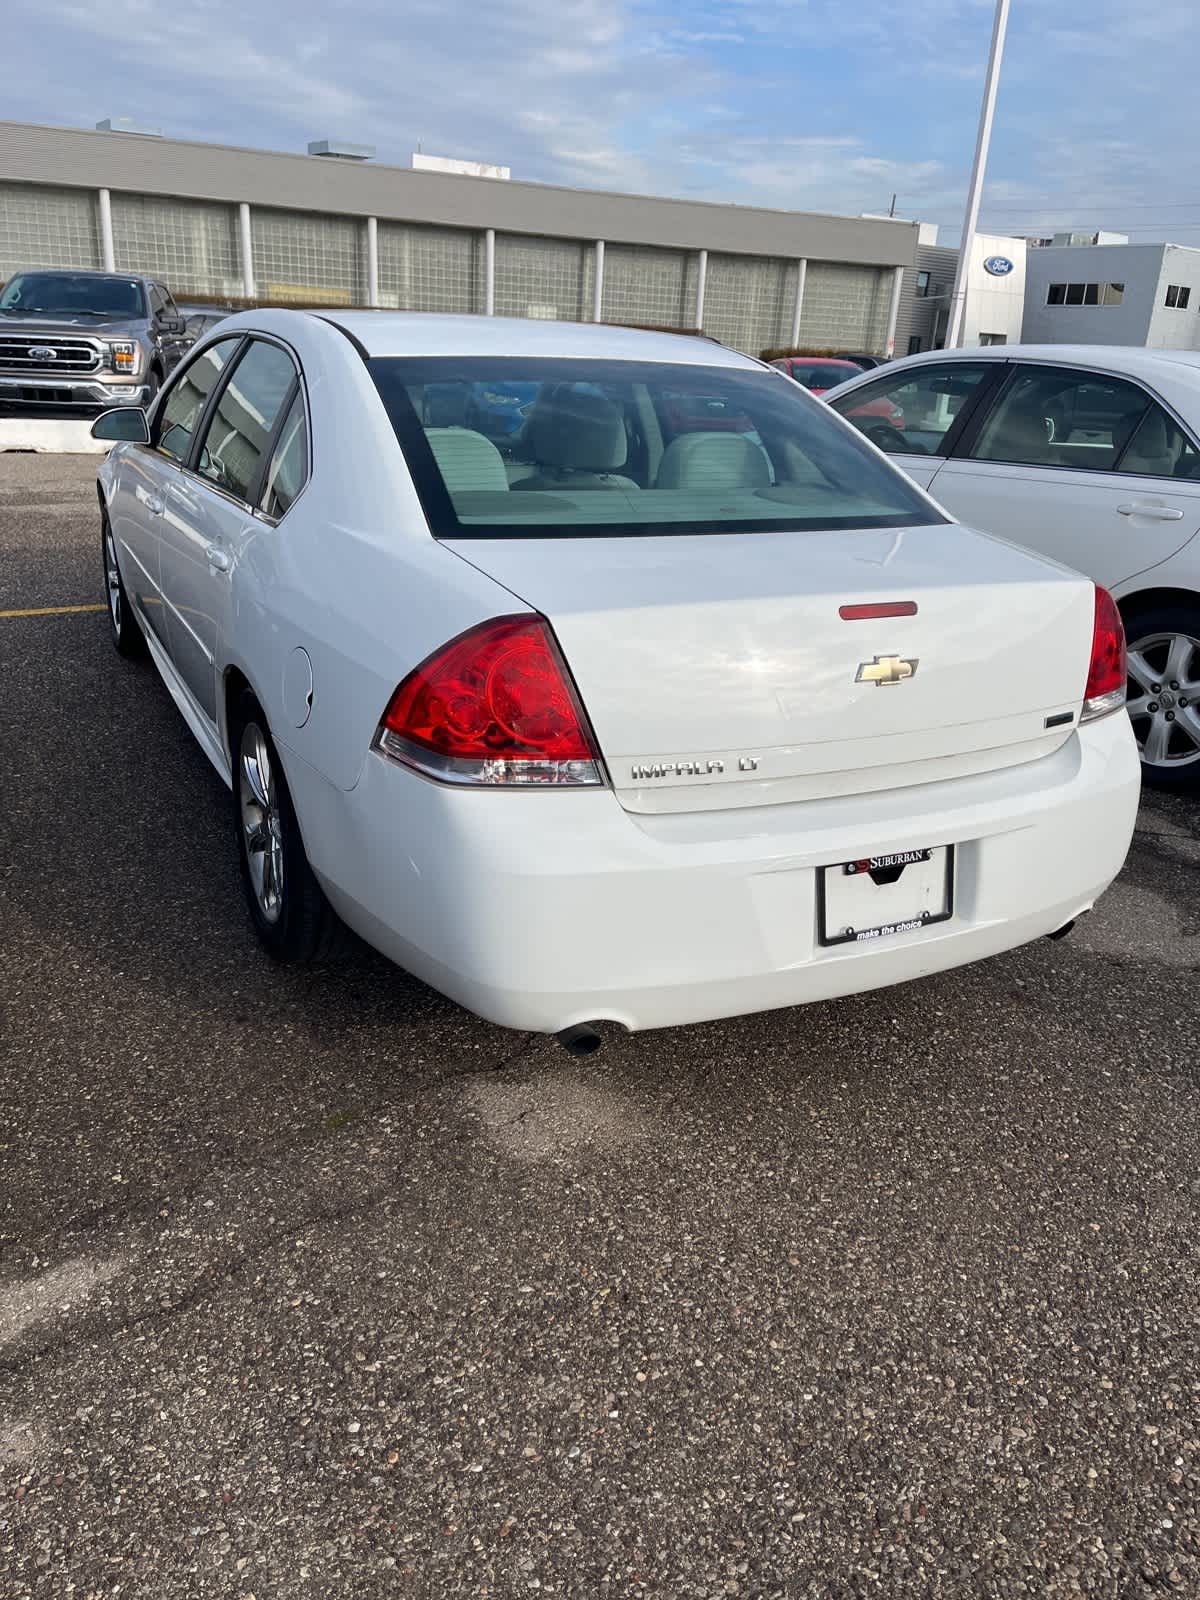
{"x": 604, "y": 676}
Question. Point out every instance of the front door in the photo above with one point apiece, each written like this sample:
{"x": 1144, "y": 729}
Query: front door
{"x": 915, "y": 414}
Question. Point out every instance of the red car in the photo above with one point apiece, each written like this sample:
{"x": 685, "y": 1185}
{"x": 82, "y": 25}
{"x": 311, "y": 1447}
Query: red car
{"x": 819, "y": 373}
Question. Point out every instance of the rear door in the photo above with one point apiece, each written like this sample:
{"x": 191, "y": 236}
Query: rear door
{"x": 917, "y": 414}
{"x": 1080, "y": 465}
{"x": 211, "y": 510}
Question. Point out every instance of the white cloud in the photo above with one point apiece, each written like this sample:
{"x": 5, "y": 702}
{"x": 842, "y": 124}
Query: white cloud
{"x": 805, "y": 103}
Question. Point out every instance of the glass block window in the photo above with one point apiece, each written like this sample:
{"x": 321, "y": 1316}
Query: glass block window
{"x": 645, "y": 284}
{"x": 191, "y": 245}
{"x": 44, "y": 227}
{"x": 430, "y": 269}
{"x": 546, "y": 278}
{"x": 749, "y": 301}
{"x": 845, "y": 307}
{"x": 303, "y": 255}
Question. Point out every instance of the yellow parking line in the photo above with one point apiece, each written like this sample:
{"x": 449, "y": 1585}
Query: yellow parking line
{"x": 51, "y": 611}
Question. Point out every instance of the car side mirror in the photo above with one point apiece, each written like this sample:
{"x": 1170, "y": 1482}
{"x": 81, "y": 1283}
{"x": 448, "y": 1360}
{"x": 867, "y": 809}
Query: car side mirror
{"x": 125, "y": 424}
{"x": 170, "y": 324}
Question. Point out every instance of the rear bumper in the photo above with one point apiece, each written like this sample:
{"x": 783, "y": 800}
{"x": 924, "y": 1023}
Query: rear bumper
{"x": 33, "y": 395}
{"x": 541, "y": 910}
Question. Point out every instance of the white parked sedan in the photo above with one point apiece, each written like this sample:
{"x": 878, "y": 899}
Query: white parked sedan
{"x": 1088, "y": 454}
{"x": 672, "y": 700}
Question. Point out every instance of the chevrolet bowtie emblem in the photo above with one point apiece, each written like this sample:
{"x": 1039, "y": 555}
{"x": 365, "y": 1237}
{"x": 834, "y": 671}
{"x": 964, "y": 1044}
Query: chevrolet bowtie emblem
{"x": 887, "y": 669}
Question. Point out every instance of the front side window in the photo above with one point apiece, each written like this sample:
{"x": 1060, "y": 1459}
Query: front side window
{"x": 917, "y": 408}
{"x": 617, "y": 447}
{"x": 71, "y": 294}
{"x": 244, "y": 420}
{"x": 182, "y": 404}
{"x": 1053, "y": 417}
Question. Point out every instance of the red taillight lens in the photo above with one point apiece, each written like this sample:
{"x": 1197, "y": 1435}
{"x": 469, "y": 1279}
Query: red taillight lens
{"x": 1106, "y": 678}
{"x": 495, "y": 706}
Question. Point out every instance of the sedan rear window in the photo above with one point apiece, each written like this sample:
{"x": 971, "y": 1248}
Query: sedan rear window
{"x": 505, "y": 447}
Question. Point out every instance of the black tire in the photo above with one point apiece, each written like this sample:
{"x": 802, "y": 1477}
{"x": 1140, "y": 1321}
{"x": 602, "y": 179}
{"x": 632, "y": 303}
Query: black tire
{"x": 1164, "y": 674}
{"x": 295, "y": 924}
{"x": 123, "y": 627}
{"x": 153, "y": 385}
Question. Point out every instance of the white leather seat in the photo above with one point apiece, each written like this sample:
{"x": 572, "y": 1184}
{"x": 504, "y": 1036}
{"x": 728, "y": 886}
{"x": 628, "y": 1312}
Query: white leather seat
{"x": 713, "y": 461}
{"x": 578, "y": 441}
{"x": 1156, "y": 448}
{"x": 466, "y": 460}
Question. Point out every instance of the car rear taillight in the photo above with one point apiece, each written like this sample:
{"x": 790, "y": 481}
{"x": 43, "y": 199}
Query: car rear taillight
{"x": 495, "y": 706}
{"x": 1106, "y": 678}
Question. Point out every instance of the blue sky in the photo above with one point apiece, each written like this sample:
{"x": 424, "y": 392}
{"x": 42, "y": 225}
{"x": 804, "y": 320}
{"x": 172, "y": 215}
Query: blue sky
{"x": 811, "y": 104}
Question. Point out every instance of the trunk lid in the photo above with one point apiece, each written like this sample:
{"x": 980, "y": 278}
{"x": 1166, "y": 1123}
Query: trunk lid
{"x": 717, "y": 671}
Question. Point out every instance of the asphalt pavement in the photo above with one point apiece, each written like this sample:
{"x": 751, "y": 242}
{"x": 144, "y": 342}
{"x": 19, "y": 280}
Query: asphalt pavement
{"x": 313, "y": 1285}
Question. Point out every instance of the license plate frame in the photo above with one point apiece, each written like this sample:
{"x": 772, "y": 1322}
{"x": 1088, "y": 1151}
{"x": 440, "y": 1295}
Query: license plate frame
{"x": 895, "y": 925}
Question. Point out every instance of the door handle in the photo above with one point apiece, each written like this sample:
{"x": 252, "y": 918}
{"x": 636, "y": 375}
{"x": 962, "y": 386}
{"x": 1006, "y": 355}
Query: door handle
{"x": 154, "y": 505}
{"x": 1155, "y": 513}
{"x": 218, "y": 559}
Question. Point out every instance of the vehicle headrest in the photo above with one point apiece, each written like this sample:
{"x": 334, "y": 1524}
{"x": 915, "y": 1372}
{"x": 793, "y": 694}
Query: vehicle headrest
{"x": 571, "y": 428}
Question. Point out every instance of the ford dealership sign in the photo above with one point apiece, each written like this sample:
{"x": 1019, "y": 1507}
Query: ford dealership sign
{"x": 998, "y": 266}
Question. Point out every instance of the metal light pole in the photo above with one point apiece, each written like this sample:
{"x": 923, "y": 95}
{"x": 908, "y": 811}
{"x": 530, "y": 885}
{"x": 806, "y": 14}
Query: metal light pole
{"x": 958, "y": 297}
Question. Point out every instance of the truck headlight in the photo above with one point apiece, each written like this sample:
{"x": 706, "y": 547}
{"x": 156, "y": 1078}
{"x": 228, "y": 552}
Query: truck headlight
{"x": 123, "y": 355}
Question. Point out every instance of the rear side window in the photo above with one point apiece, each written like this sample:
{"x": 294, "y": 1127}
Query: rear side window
{"x": 918, "y": 407}
{"x": 180, "y": 410}
{"x": 243, "y": 421}
{"x": 288, "y": 467}
{"x": 593, "y": 447}
{"x": 1054, "y": 417}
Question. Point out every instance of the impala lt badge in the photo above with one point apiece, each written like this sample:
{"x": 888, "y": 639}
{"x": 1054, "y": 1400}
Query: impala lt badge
{"x": 887, "y": 669}
{"x": 642, "y": 770}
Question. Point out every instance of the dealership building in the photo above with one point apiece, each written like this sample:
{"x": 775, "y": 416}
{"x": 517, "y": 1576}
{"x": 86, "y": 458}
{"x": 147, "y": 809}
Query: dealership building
{"x": 1112, "y": 292}
{"x": 334, "y": 226}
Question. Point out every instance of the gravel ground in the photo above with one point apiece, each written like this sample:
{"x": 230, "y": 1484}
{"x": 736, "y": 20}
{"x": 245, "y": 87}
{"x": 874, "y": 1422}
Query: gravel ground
{"x": 313, "y": 1285}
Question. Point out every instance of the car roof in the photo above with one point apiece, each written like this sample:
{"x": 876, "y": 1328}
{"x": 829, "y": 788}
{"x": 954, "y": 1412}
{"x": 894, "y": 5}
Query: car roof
{"x": 85, "y": 272}
{"x": 412, "y": 333}
{"x": 1135, "y": 360}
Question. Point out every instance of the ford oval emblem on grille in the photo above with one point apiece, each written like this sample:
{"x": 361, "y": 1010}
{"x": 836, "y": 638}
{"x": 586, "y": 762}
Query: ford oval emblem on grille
{"x": 42, "y": 352}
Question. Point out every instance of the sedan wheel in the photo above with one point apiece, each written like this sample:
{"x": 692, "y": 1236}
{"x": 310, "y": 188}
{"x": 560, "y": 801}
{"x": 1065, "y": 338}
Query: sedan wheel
{"x": 123, "y": 626}
{"x": 261, "y": 827}
{"x": 1164, "y": 698}
{"x": 291, "y": 915}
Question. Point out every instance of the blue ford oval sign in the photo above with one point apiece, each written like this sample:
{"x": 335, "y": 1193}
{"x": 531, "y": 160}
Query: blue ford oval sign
{"x": 998, "y": 266}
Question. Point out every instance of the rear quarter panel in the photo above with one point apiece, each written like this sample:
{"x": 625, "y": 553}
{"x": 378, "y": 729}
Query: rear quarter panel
{"x": 351, "y": 574}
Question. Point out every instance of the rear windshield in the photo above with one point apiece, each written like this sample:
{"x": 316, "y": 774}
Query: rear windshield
{"x": 815, "y": 376}
{"x": 506, "y": 447}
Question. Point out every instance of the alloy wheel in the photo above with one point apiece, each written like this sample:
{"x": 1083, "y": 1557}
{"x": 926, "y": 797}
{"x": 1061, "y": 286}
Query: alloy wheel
{"x": 112, "y": 576}
{"x": 1164, "y": 698}
{"x": 262, "y": 826}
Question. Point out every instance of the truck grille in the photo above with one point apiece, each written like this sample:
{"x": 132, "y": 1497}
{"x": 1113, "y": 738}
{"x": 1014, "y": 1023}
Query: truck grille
{"x": 70, "y": 355}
